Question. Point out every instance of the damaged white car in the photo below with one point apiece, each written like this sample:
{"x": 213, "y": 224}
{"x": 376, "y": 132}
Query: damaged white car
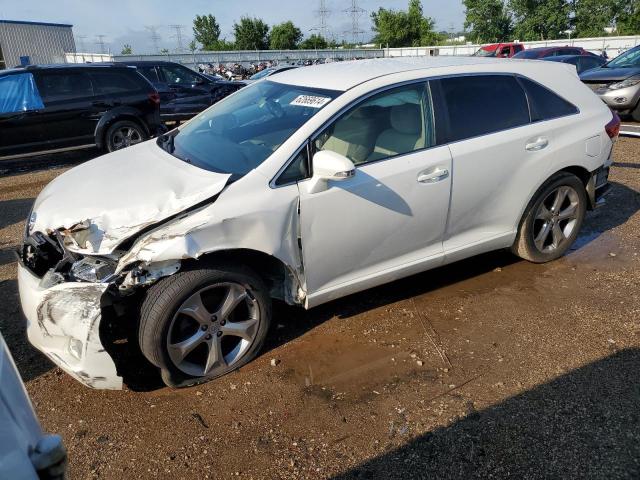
{"x": 307, "y": 187}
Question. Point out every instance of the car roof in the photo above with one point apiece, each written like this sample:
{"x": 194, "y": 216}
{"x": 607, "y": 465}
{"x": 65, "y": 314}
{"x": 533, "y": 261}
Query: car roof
{"x": 345, "y": 75}
{"x": 143, "y": 63}
{"x": 63, "y": 66}
{"x": 557, "y": 47}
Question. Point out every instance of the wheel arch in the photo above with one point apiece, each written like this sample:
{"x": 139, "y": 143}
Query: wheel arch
{"x": 582, "y": 173}
{"x": 113, "y": 116}
{"x": 281, "y": 279}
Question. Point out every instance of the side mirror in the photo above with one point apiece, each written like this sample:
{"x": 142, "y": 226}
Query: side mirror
{"x": 328, "y": 165}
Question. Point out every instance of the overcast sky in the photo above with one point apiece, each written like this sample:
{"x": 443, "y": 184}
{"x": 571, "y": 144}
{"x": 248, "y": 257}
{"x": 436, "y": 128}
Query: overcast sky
{"x": 124, "y": 21}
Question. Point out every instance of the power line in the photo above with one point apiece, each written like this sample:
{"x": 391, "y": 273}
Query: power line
{"x": 100, "y": 42}
{"x": 178, "y": 37}
{"x": 355, "y": 12}
{"x": 323, "y": 13}
{"x": 155, "y": 38}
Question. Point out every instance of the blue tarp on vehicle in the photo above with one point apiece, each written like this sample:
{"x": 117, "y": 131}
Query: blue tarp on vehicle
{"x": 19, "y": 93}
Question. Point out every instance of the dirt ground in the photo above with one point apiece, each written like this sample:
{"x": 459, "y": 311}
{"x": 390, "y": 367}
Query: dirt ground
{"x": 489, "y": 368}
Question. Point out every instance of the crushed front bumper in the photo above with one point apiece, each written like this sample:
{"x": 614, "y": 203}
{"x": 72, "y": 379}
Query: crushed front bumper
{"x": 63, "y": 323}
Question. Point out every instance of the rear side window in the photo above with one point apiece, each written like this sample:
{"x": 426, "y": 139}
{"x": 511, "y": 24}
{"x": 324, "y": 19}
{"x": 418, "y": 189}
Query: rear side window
{"x": 18, "y": 93}
{"x": 116, "y": 81}
{"x": 480, "y": 105}
{"x": 544, "y": 104}
{"x": 55, "y": 87}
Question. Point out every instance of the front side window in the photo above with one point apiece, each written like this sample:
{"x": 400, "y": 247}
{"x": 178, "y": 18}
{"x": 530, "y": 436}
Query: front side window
{"x": 55, "y": 87}
{"x": 481, "y": 104}
{"x": 240, "y": 132}
{"x": 179, "y": 75}
{"x": 18, "y": 93}
{"x": 391, "y": 123}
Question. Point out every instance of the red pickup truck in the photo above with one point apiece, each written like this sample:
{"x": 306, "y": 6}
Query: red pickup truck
{"x": 500, "y": 50}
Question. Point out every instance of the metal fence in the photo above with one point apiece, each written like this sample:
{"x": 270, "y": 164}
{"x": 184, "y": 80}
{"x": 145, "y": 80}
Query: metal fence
{"x": 614, "y": 46}
{"x": 256, "y": 56}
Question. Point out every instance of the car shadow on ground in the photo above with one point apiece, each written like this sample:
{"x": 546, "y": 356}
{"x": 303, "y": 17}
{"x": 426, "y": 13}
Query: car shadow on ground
{"x": 584, "y": 424}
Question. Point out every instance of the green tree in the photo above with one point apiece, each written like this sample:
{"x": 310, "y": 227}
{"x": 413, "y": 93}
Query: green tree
{"x": 251, "y": 34}
{"x": 164, "y": 51}
{"x": 487, "y": 20}
{"x": 206, "y": 31}
{"x": 284, "y": 36}
{"x": 540, "y": 19}
{"x": 628, "y": 21}
{"x": 126, "y": 49}
{"x": 193, "y": 46}
{"x": 592, "y": 16}
{"x": 314, "y": 42}
{"x": 398, "y": 28}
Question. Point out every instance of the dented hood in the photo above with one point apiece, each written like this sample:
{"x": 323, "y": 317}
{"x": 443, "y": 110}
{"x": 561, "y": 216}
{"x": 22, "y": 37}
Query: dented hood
{"x": 109, "y": 199}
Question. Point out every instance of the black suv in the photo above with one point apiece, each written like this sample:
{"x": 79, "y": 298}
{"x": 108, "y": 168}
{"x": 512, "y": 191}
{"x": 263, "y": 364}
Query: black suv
{"x": 57, "y": 107}
{"x": 183, "y": 92}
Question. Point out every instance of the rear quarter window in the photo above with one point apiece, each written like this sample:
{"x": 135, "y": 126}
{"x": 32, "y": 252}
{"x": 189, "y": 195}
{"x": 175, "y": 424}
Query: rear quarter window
{"x": 479, "y": 105}
{"x": 118, "y": 81}
{"x": 545, "y": 104}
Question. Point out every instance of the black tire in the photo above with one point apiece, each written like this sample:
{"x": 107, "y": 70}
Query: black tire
{"x": 159, "y": 312}
{"x": 114, "y": 139}
{"x": 531, "y": 227}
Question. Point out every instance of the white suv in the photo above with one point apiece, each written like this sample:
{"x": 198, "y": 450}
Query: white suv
{"x": 309, "y": 186}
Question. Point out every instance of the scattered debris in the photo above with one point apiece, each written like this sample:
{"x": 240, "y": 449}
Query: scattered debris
{"x": 274, "y": 362}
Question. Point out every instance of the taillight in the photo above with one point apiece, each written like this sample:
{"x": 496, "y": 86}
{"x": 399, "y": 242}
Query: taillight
{"x": 613, "y": 127}
{"x": 154, "y": 97}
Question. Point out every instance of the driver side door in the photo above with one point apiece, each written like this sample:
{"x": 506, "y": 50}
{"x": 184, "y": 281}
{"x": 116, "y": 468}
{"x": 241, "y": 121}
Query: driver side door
{"x": 388, "y": 220}
{"x": 191, "y": 93}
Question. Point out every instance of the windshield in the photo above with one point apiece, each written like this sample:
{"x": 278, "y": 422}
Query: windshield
{"x": 485, "y": 53}
{"x": 237, "y": 134}
{"x": 530, "y": 54}
{"x": 261, "y": 74}
{"x": 630, "y": 58}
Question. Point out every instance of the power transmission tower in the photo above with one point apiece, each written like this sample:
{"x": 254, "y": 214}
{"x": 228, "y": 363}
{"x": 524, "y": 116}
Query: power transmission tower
{"x": 323, "y": 13}
{"x": 80, "y": 39}
{"x": 355, "y": 12}
{"x": 178, "y": 37}
{"x": 100, "y": 42}
{"x": 155, "y": 38}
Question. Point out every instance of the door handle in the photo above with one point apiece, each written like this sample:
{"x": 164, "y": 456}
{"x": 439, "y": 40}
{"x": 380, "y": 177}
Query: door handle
{"x": 537, "y": 144}
{"x": 433, "y": 175}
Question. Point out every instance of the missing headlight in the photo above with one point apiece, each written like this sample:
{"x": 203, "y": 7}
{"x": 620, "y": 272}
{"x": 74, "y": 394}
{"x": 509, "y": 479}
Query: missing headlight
{"x": 92, "y": 269}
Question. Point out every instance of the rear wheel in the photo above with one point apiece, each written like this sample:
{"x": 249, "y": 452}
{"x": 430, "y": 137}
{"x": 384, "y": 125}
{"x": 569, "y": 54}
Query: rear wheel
{"x": 123, "y": 134}
{"x": 552, "y": 220}
{"x": 198, "y": 325}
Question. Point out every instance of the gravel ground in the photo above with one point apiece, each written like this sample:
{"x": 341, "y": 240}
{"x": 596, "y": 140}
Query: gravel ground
{"x": 489, "y": 368}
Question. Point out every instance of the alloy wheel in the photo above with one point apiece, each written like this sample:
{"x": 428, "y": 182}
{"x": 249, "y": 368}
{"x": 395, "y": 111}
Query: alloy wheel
{"x": 213, "y": 329}
{"x": 125, "y": 137}
{"x": 556, "y": 219}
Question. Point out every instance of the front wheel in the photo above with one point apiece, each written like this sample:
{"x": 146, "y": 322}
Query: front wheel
{"x": 198, "y": 325}
{"x": 552, "y": 220}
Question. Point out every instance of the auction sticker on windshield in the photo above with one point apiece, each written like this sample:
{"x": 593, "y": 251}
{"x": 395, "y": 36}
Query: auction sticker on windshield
{"x": 310, "y": 101}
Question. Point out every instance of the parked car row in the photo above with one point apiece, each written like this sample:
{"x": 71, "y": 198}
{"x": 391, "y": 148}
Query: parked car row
{"x": 50, "y": 108}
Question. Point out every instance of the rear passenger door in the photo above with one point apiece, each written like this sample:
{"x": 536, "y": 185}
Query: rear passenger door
{"x": 68, "y": 117}
{"x": 391, "y": 215}
{"x": 499, "y": 157}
